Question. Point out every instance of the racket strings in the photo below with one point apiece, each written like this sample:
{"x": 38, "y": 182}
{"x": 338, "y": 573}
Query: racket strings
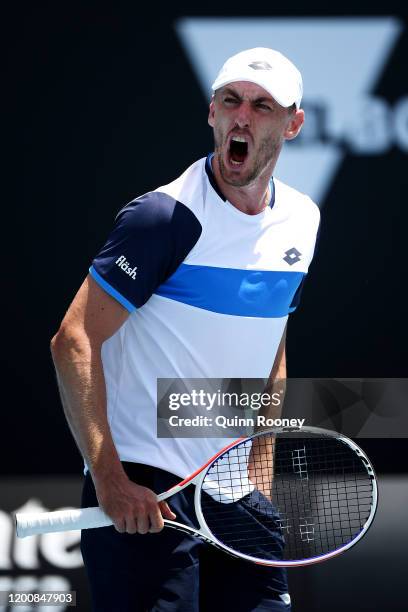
{"x": 281, "y": 497}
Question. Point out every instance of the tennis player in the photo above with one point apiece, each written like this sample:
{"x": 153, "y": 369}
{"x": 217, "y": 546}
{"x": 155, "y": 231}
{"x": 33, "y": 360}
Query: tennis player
{"x": 196, "y": 280}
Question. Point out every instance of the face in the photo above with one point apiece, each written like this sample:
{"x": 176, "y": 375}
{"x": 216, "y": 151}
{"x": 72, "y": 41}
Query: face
{"x": 249, "y": 130}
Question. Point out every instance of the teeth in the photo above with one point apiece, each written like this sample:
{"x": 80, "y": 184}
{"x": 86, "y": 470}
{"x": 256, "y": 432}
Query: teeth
{"x": 238, "y": 139}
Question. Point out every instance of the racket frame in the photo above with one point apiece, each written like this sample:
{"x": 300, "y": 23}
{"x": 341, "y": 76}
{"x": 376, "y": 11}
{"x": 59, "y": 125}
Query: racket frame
{"x": 198, "y": 477}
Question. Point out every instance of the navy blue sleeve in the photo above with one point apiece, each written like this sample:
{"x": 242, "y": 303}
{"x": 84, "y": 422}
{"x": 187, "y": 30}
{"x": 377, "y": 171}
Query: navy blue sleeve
{"x": 151, "y": 238}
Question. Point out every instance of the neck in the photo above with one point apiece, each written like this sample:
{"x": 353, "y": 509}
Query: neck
{"x": 250, "y": 199}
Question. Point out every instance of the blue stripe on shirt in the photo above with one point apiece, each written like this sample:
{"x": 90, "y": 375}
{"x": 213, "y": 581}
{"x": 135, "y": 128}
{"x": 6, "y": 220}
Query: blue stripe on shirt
{"x": 245, "y": 293}
{"x": 109, "y": 289}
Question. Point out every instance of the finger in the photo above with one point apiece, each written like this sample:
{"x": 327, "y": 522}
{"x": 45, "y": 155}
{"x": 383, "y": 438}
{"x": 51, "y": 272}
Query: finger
{"x": 119, "y": 525}
{"x": 166, "y": 512}
{"x": 142, "y": 524}
{"x": 156, "y": 519}
{"x": 131, "y": 526}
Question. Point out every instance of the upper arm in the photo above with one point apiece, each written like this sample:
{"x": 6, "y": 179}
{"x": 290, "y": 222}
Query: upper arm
{"x": 279, "y": 366}
{"x": 93, "y": 314}
{"x": 151, "y": 238}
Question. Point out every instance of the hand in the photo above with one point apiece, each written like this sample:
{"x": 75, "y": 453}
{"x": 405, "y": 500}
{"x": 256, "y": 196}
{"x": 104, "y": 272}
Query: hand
{"x": 261, "y": 465}
{"x": 132, "y": 508}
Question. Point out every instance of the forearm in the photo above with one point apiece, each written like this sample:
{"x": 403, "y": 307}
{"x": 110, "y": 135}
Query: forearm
{"x": 276, "y": 385}
{"x": 93, "y": 317}
{"x": 82, "y": 387}
{"x": 260, "y": 466}
{"x": 261, "y": 461}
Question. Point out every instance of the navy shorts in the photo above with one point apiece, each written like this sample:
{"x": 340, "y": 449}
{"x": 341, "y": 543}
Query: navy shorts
{"x": 171, "y": 571}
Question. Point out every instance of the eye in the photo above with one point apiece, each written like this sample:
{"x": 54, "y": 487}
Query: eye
{"x": 230, "y": 101}
{"x": 263, "y": 106}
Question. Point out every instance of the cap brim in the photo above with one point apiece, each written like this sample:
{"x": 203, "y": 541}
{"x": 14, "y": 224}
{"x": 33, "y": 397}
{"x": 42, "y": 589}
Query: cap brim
{"x": 285, "y": 99}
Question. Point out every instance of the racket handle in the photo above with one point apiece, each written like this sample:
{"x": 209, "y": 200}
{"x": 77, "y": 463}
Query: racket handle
{"x": 66, "y": 520}
{"x": 61, "y": 520}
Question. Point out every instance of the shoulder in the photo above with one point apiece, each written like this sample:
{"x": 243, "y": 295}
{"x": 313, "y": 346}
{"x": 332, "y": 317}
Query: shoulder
{"x": 298, "y": 202}
{"x": 148, "y": 210}
{"x": 188, "y": 189}
{"x": 168, "y": 205}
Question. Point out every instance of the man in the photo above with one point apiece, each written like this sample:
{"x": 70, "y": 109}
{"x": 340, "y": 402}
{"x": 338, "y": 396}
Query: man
{"x": 196, "y": 280}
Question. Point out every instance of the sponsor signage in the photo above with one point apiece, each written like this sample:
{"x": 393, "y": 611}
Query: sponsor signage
{"x": 42, "y": 563}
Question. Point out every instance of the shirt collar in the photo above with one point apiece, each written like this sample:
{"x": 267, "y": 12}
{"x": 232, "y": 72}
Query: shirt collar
{"x": 211, "y": 178}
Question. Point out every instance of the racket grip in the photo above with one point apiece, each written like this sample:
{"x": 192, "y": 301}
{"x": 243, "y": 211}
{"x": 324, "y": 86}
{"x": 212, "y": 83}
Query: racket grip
{"x": 61, "y": 520}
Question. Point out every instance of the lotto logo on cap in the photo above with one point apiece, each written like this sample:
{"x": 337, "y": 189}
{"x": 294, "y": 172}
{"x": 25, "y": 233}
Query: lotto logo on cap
{"x": 267, "y": 68}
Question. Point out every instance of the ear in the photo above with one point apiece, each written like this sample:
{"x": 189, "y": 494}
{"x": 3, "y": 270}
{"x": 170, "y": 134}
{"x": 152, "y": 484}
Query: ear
{"x": 294, "y": 125}
{"x": 211, "y": 113}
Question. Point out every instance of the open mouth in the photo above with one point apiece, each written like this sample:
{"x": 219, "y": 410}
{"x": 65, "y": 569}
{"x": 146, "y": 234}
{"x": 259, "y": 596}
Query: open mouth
{"x": 238, "y": 150}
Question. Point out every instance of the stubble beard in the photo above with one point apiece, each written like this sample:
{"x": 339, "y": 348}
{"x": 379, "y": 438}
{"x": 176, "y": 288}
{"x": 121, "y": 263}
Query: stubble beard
{"x": 268, "y": 150}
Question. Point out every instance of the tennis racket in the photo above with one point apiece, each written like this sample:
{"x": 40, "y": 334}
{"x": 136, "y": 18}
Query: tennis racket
{"x": 282, "y": 497}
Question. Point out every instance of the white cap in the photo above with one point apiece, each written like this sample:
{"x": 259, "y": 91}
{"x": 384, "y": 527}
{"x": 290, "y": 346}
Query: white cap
{"x": 268, "y": 69}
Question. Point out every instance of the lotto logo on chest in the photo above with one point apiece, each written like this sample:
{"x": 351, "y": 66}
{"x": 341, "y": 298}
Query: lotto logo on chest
{"x": 125, "y": 266}
{"x": 292, "y": 256}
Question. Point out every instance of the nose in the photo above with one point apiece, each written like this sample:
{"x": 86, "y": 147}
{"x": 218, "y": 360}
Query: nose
{"x": 243, "y": 115}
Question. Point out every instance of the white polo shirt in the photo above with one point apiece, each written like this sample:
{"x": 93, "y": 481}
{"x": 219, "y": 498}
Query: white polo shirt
{"x": 209, "y": 290}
